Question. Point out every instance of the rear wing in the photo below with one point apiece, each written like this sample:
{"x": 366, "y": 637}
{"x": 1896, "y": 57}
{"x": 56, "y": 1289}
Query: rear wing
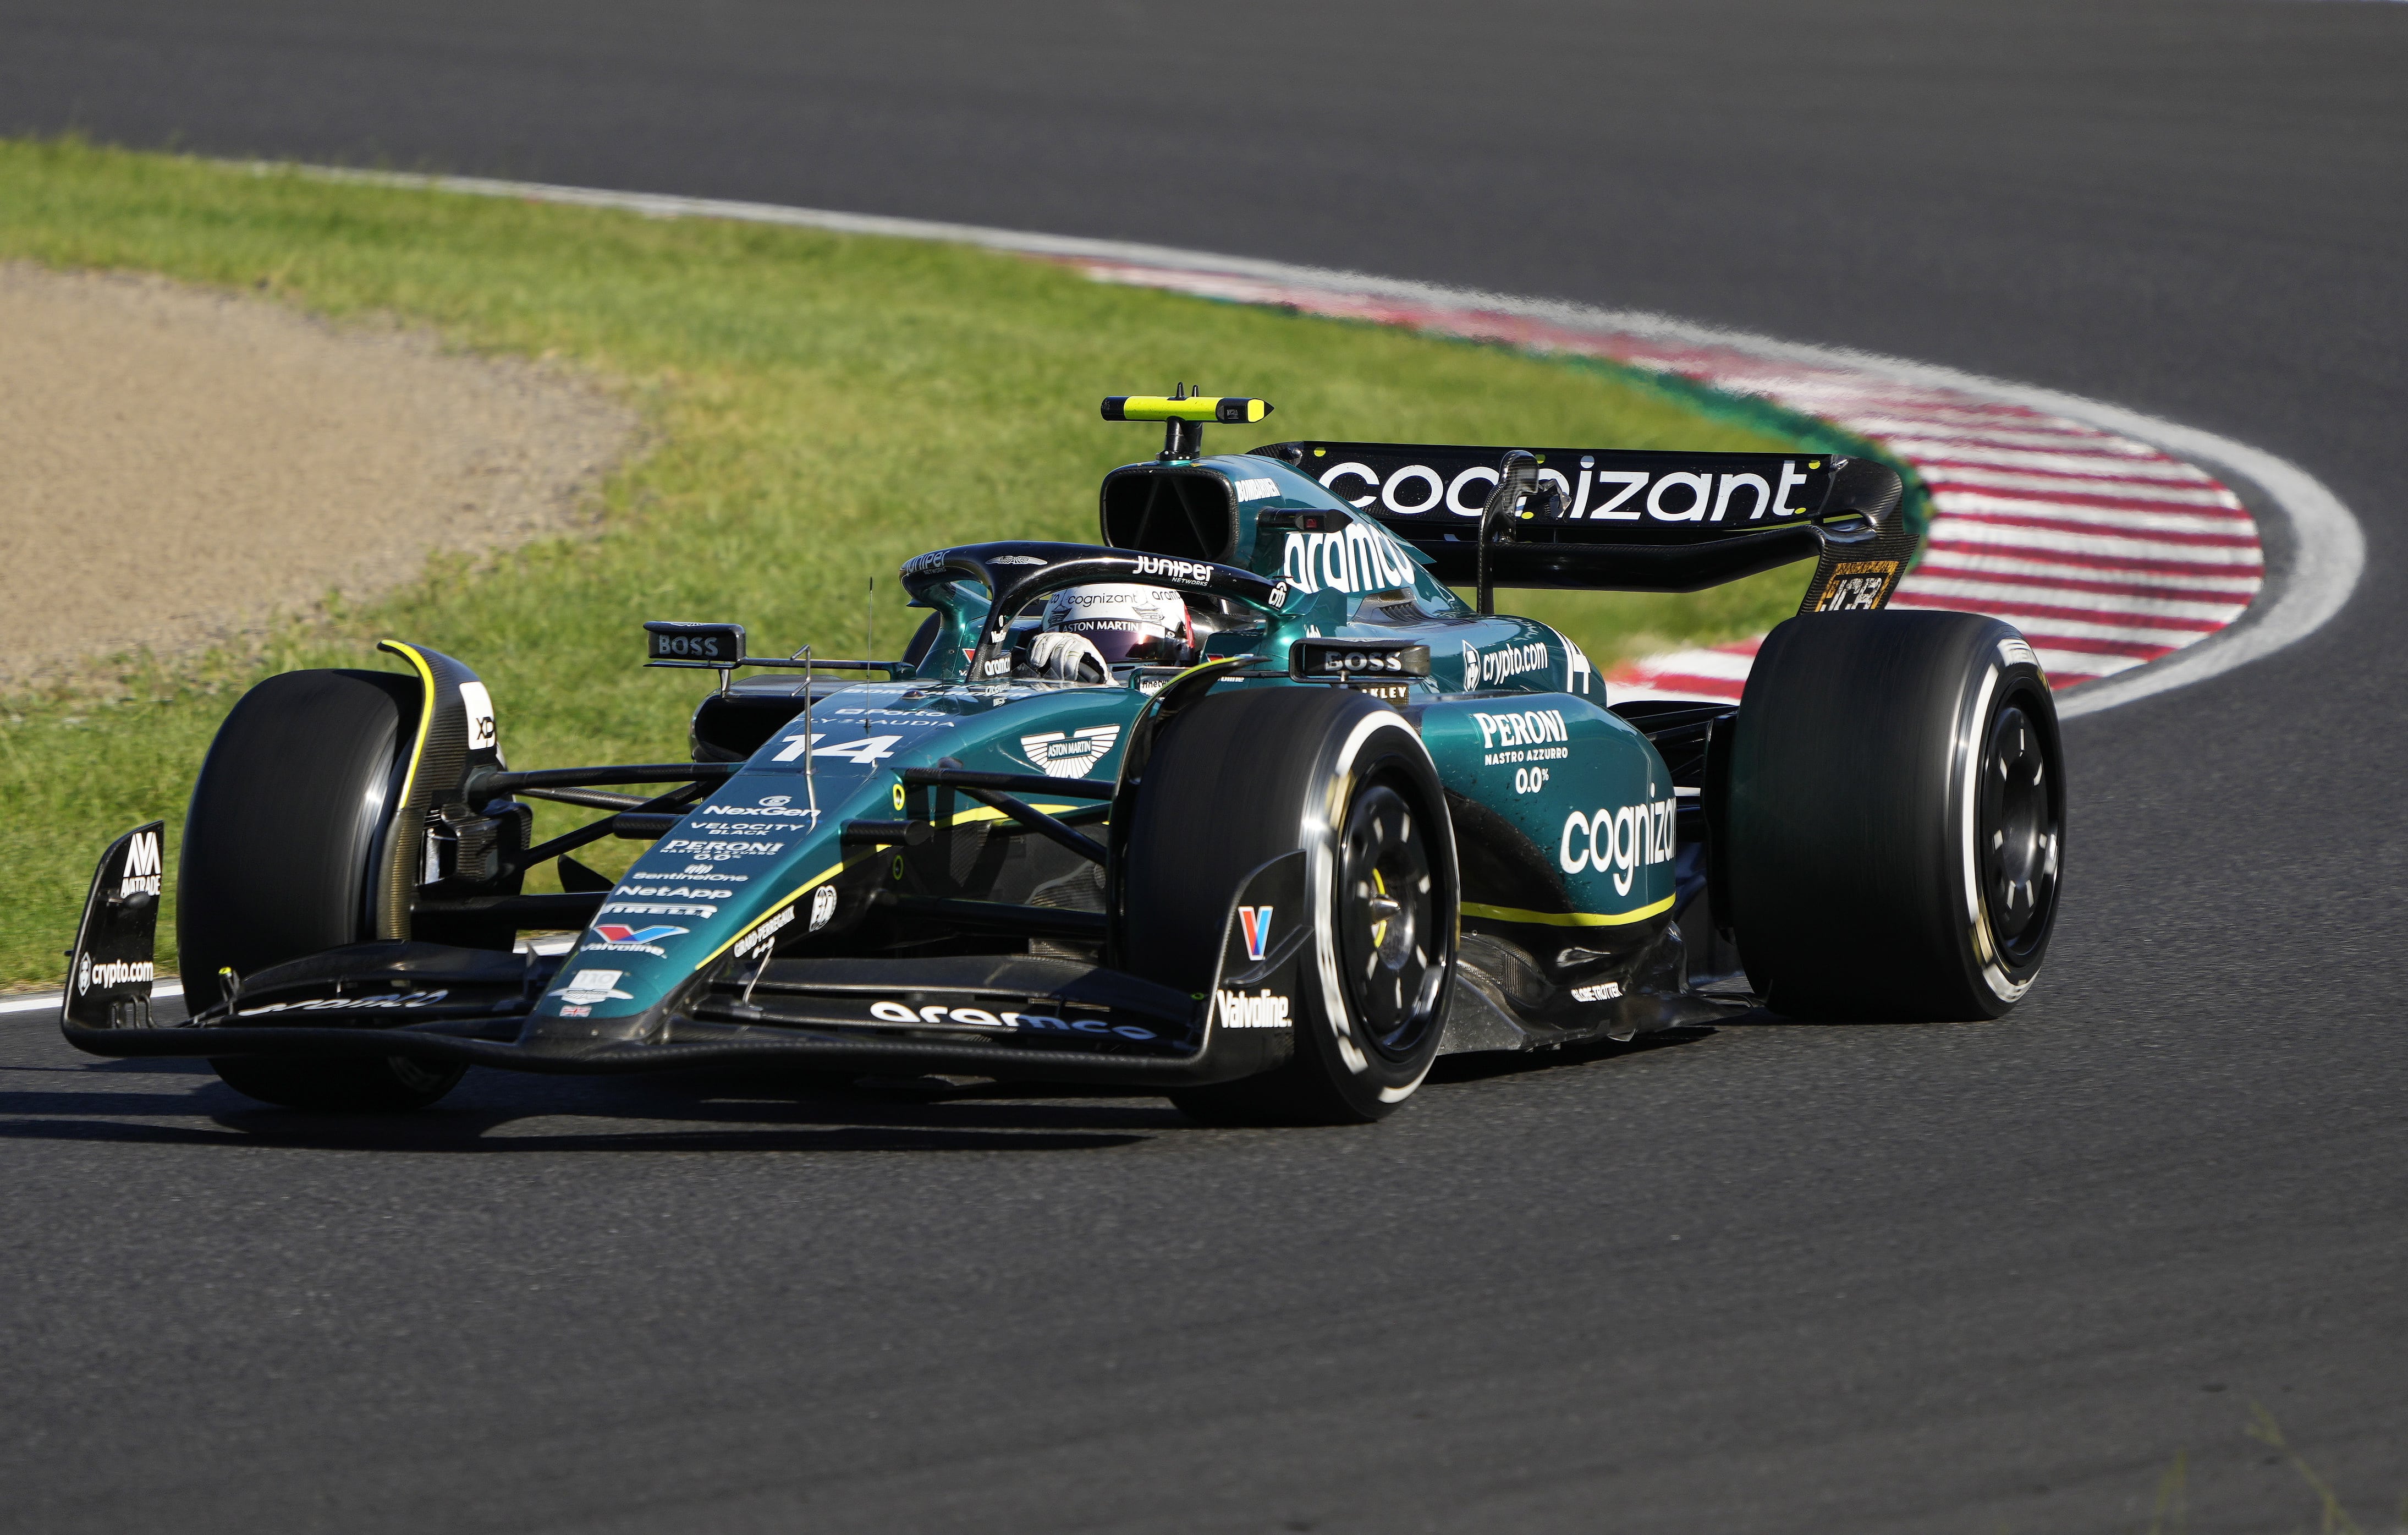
{"x": 1630, "y": 521}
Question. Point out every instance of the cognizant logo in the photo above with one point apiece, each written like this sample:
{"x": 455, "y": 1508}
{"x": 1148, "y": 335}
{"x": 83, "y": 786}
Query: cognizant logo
{"x": 1615, "y": 843}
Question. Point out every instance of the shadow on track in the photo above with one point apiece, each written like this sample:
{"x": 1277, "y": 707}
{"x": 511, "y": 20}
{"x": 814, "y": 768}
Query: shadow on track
{"x": 1487, "y": 1065}
{"x": 705, "y": 1110}
{"x": 695, "y": 1112}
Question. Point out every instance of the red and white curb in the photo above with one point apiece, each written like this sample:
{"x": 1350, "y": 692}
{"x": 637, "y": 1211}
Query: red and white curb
{"x": 2107, "y": 535}
{"x": 2106, "y": 553}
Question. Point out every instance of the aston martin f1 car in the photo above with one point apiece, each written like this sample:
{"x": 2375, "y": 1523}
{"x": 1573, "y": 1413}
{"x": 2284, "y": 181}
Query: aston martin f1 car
{"x": 1243, "y": 804}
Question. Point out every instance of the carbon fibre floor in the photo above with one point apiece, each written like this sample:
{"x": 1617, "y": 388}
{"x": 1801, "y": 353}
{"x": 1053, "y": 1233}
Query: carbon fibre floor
{"x": 1776, "y": 1278}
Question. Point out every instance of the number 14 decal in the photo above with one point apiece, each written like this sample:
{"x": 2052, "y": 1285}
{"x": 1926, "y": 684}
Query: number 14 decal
{"x": 863, "y": 753}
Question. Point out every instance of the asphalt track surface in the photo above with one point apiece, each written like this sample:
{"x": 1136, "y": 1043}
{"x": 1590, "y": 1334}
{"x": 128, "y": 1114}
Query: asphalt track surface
{"x": 1775, "y": 1278}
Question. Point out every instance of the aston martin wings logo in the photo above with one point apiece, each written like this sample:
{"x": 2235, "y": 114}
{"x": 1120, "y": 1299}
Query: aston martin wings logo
{"x": 1070, "y": 754}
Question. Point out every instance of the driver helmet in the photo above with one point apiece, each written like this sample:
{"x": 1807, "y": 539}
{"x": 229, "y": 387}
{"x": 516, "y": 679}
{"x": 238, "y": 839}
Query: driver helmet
{"x": 1129, "y": 625}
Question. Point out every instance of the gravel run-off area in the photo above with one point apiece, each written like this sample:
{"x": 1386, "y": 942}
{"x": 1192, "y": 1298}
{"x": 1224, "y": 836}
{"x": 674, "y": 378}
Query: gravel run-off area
{"x": 180, "y": 468}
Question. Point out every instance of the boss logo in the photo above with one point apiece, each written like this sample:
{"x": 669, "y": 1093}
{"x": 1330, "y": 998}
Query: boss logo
{"x": 1358, "y": 658}
{"x": 696, "y": 644}
{"x": 1364, "y": 661}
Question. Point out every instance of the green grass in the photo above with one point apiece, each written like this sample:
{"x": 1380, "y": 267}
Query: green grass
{"x": 819, "y": 407}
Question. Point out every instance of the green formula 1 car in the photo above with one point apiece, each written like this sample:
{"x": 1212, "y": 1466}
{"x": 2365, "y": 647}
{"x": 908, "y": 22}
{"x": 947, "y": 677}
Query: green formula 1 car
{"x": 1242, "y": 804}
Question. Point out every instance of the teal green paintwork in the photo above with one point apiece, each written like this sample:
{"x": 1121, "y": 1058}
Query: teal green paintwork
{"x": 1570, "y": 804}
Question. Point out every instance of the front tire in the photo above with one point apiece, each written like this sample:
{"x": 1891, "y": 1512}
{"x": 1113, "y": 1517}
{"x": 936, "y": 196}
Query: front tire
{"x": 1895, "y": 817}
{"x": 281, "y": 847}
{"x": 1243, "y": 777}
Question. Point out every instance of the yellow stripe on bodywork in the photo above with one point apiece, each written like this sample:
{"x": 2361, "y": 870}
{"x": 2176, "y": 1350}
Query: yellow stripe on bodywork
{"x": 780, "y": 905}
{"x": 981, "y": 814}
{"x": 425, "y": 709}
{"x": 1566, "y": 919}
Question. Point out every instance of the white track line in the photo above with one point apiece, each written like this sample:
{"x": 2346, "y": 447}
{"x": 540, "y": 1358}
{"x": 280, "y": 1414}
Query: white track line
{"x": 50, "y": 1000}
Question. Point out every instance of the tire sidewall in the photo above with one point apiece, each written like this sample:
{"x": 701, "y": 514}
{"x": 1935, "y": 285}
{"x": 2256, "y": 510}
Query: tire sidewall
{"x": 1241, "y": 777}
{"x": 1374, "y": 746}
{"x": 1998, "y": 980}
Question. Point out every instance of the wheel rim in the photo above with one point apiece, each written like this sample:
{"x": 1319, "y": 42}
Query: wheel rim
{"x": 1389, "y": 940}
{"x": 2021, "y": 834}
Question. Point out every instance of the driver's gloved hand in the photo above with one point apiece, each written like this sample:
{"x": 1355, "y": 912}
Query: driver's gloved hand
{"x": 1064, "y": 657}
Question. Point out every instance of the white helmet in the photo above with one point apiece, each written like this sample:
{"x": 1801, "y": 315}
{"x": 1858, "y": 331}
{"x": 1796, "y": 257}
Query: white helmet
{"x": 1129, "y": 624}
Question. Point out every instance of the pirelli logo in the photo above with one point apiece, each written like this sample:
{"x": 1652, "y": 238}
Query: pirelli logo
{"x": 1856, "y": 586}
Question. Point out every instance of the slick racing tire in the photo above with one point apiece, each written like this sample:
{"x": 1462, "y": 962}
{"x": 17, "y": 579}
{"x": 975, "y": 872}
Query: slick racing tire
{"x": 1245, "y": 775}
{"x": 1895, "y": 817}
{"x": 279, "y": 848}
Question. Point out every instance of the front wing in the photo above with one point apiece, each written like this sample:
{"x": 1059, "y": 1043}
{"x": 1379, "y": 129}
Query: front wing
{"x": 998, "y": 1015}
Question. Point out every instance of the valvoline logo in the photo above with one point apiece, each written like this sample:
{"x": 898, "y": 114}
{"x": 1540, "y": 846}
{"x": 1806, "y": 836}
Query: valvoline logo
{"x": 1255, "y": 925}
{"x": 612, "y": 932}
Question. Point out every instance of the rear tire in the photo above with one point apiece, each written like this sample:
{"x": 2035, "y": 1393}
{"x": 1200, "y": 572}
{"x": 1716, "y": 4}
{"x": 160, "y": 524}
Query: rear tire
{"x": 1240, "y": 778}
{"x": 1895, "y": 817}
{"x": 278, "y": 860}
